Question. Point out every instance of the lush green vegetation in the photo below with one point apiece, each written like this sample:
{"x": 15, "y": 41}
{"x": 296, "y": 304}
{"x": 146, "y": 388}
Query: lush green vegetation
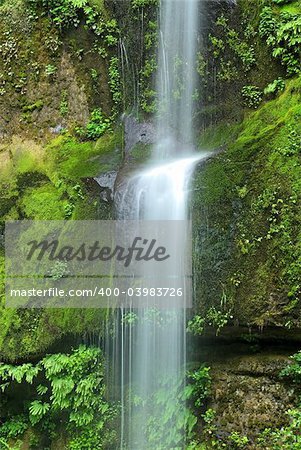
{"x": 259, "y": 176}
{"x": 66, "y": 395}
{"x": 68, "y": 69}
{"x": 282, "y": 31}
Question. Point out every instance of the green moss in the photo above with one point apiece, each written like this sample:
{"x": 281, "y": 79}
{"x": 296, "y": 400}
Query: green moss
{"x": 72, "y": 159}
{"x": 140, "y": 153}
{"x": 294, "y": 7}
{"x": 43, "y": 203}
{"x": 44, "y": 184}
{"x": 29, "y": 333}
{"x": 217, "y": 136}
{"x": 35, "y": 106}
{"x": 249, "y": 197}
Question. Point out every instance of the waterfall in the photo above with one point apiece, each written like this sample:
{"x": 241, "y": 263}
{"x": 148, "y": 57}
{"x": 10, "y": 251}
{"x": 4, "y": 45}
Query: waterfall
{"x": 151, "y": 348}
{"x": 179, "y": 20}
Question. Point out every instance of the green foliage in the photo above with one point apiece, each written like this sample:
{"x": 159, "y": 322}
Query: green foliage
{"x": 15, "y": 427}
{"x": 281, "y": 2}
{"x": 59, "y": 270}
{"x": 114, "y": 83}
{"x": 249, "y": 198}
{"x": 6, "y": 445}
{"x": 218, "y": 45}
{"x": 96, "y": 127}
{"x": 282, "y": 32}
{"x": 275, "y": 87}
{"x": 237, "y": 440}
{"x": 129, "y": 318}
{"x": 137, "y": 4}
{"x": 74, "y": 392}
{"x": 202, "y": 64}
{"x": 241, "y": 46}
{"x": 62, "y": 12}
{"x": 198, "y": 388}
{"x": 196, "y": 325}
{"x": 252, "y": 96}
{"x": 293, "y": 370}
{"x": 64, "y": 109}
{"x": 151, "y": 37}
{"x": 217, "y": 318}
{"x": 146, "y": 11}
{"x": 174, "y": 407}
{"x": 69, "y": 13}
{"x": 50, "y": 70}
{"x": 288, "y": 437}
{"x": 148, "y": 95}
{"x": 214, "y": 317}
{"x": 45, "y": 183}
{"x": 37, "y": 106}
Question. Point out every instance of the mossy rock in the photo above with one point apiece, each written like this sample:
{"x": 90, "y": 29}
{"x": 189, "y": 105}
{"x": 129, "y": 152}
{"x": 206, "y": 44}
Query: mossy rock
{"x": 249, "y": 199}
{"x": 74, "y": 160}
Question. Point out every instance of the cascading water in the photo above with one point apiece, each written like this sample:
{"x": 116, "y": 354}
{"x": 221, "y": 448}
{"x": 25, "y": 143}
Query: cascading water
{"x": 153, "y": 350}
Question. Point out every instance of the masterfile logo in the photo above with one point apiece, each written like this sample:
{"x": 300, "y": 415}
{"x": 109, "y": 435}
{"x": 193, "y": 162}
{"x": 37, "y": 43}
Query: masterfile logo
{"x": 98, "y": 264}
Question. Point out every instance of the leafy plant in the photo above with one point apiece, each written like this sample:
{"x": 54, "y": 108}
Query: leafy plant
{"x": 15, "y": 427}
{"x": 59, "y": 270}
{"x": 237, "y": 440}
{"x": 252, "y": 96}
{"x": 73, "y": 391}
{"x": 217, "y": 318}
{"x": 196, "y": 325}
{"x": 282, "y": 32}
{"x": 293, "y": 370}
{"x": 281, "y": 2}
{"x": 114, "y": 82}
{"x": 241, "y": 46}
{"x": 50, "y": 70}
{"x": 96, "y": 126}
{"x": 64, "y": 109}
{"x": 174, "y": 406}
{"x": 129, "y": 318}
{"x": 275, "y": 87}
{"x": 285, "y": 438}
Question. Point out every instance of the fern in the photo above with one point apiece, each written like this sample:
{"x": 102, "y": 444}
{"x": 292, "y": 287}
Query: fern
{"x": 72, "y": 391}
{"x": 37, "y": 410}
{"x": 42, "y": 389}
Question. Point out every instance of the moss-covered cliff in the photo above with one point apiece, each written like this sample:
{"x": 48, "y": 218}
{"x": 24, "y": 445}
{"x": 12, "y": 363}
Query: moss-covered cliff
{"x": 59, "y": 95}
{"x": 247, "y": 199}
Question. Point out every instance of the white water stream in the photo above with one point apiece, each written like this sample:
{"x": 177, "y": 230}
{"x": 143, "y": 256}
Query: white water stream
{"x": 151, "y": 348}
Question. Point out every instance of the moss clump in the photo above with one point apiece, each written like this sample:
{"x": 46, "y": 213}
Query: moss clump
{"x": 43, "y": 203}
{"x": 47, "y": 182}
{"x": 73, "y": 160}
{"x": 26, "y": 333}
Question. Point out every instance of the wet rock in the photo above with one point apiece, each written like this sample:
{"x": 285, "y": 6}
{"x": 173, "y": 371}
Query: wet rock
{"x": 248, "y": 394}
{"x": 136, "y": 132}
{"x": 106, "y": 182}
{"x": 57, "y": 129}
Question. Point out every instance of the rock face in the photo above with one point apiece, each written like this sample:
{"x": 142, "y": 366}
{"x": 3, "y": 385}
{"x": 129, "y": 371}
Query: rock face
{"x": 106, "y": 182}
{"x": 135, "y": 133}
{"x": 248, "y": 395}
